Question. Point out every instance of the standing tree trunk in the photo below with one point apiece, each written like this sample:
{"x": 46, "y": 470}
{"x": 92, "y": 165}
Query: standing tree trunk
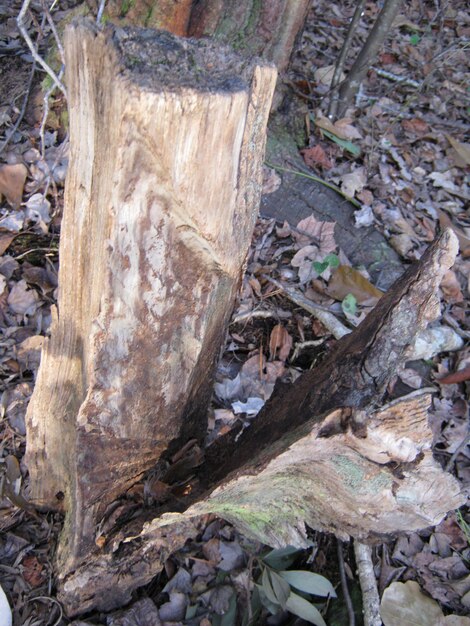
{"x": 167, "y": 142}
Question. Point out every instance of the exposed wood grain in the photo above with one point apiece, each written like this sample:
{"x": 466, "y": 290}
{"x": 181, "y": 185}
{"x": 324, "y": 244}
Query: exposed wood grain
{"x": 167, "y": 141}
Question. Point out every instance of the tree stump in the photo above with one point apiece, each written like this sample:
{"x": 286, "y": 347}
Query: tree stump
{"x": 323, "y": 452}
{"x": 167, "y": 142}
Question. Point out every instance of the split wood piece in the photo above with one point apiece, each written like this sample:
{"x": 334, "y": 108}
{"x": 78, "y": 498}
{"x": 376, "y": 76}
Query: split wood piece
{"x": 167, "y": 141}
{"x": 357, "y": 371}
{"x": 372, "y": 476}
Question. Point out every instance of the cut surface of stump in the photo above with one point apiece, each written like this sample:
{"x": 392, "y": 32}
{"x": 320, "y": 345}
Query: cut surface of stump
{"x": 167, "y": 140}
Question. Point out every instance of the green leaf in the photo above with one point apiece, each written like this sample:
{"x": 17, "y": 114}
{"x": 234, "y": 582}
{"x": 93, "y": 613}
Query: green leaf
{"x": 281, "y": 558}
{"x": 320, "y": 267}
{"x": 229, "y": 618}
{"x": 267, "y": 587}
{"x": 272, "y": 607}
{"x": 414, "y": 39}
{"x": 332, "y": 259}
{"x": 280, "y": 587}
{"x": 346, "y": 144}
{"x": 304, "y": 609}
{"x": 349, "y": 305}
{"x": 191, "y": 611}
{"x": 308, "y": 582}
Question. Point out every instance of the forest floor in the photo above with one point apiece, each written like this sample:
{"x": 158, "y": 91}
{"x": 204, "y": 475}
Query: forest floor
{"x": 400, "y": 162}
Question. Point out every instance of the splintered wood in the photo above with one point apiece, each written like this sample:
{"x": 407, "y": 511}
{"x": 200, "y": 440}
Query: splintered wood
{"x": 167, "y": 142}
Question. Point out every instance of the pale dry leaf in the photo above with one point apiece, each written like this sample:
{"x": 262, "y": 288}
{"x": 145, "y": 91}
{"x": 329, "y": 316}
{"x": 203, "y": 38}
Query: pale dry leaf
{"x": 323, "y": 234}
{"x": 12, "y": 180}
{"x": 22, "y": 300}
{"x": 364, "y": 217}
{"x": 451, "y": 287}
{"x": 280, "y": 343}
{"x": 175, "y": 609}
{"x": 345, "y": 130}
{"x": 404, "y": 603}
{"x": 324, "y": 75}
{"x": 251, "y": 407}
{"x": 271, "y": 180}
{"x": 353, "y": 182}
{"x": 461, "y": 152}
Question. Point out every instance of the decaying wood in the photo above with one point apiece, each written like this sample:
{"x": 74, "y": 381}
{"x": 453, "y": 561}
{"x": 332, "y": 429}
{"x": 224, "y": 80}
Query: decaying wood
{"x": 322, "y": 453}
{"x": 167, "y": 141}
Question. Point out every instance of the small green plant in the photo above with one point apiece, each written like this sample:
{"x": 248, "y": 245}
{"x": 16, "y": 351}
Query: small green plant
{"x": 281, "y": 589}
{"x": 464, "y": 527}
{"x": 415, "y": 39}
{"x": 349, "y": 305}
{"x": 330, "y": 261}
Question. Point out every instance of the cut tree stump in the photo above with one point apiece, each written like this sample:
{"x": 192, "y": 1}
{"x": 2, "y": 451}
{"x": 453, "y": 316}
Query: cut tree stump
{"x": 167, "y": 142}
{"x": 167, "y": 139}
{"x": 323, "y": 452}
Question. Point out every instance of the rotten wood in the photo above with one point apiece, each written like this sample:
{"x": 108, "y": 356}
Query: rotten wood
{"x": 322, "y": 453}
{"x": 167, "y": 141}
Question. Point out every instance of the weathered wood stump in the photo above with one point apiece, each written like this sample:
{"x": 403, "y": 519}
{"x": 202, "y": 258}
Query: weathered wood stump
{"x": 167, "y": 142}
{"x": 167, "y": 139}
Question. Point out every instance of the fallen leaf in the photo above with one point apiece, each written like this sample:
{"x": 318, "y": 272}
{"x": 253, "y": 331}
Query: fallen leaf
{"x": 271, "y": 180}
{"x": 345, "y": 130}
{"x": 280, "y": 343}
{"x": 445, "y": 221}
{"x": 322, "y": 234}
{"x": 316, "y": 156}
{"x": 346, "y": 280}
{"x": 353, "y": 182}
{"x": 175, "y": 609}
{"x": 456, "y": 377}
{"x": 22, "y": 300}
{"x": 404, "y": 603}
{"x": 324, "y": 75}
{"x": 432, "y": 341}
{"x": 251, "y": 407}
{"x": 33, "y": 571}
{"x": 12, "y": 180}
{"x": 416, "y": 126}
{"x": 461, "y": 152}
{"x": 451, "y": 287}
{"x": 141, "y": 613}
{"x": 6, "y": 237}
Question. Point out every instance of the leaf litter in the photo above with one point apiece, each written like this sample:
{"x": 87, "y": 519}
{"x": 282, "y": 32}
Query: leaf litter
{"x": 408, "y": 168}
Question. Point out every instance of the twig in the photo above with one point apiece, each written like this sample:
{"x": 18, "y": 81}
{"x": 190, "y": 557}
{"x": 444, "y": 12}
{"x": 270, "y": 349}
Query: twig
{"x": 100, "y": 12}
{"x": 51, "y": 23}
{"x": 368, "y": 582}
{"x": 336, "y": 328}
{"x": 262, "y": 313}
{"x": 332, "y": 109}
{"x": 30, "y": 44}
{"x": 403, "y": 80}
{"x": 23, "y": 109}
{"x": 344, "y": 584}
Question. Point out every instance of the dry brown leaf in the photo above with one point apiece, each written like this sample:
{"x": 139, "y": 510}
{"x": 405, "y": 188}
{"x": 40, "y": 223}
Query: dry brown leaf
{"x": 321, "y": 234}
{"x": 12, "y": 180}
{"x": 33, "y": 571}
{"x": 415, "y": 126}
{"x": 316, "y": 156}
{"x": 6, "y": 237}
{"x": 353, "y": 182}
{"x": 324, "y": 75}
{"x": 451, "y": 287}
{"x": 280, "y": 343}
{"x": 456, "y": 377}
{"x": 347, "y": 280}
{"x": 461, "y": 152}
{"x": 464, "y": 242}
{"x": 345, "y": 130}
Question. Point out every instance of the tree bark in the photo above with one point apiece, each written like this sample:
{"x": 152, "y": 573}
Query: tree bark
{"x": 322, "y": 453}
{"x": 167, "y": 142}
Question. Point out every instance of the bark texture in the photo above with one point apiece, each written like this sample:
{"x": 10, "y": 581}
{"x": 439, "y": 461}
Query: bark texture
{"x": 322, "y": 453}
{"x": 167, "y": 142}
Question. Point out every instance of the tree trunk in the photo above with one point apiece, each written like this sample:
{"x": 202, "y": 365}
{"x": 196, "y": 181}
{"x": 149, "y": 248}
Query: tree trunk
{"x": 167, "y": 142}
{"x": 266, "y": 28}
